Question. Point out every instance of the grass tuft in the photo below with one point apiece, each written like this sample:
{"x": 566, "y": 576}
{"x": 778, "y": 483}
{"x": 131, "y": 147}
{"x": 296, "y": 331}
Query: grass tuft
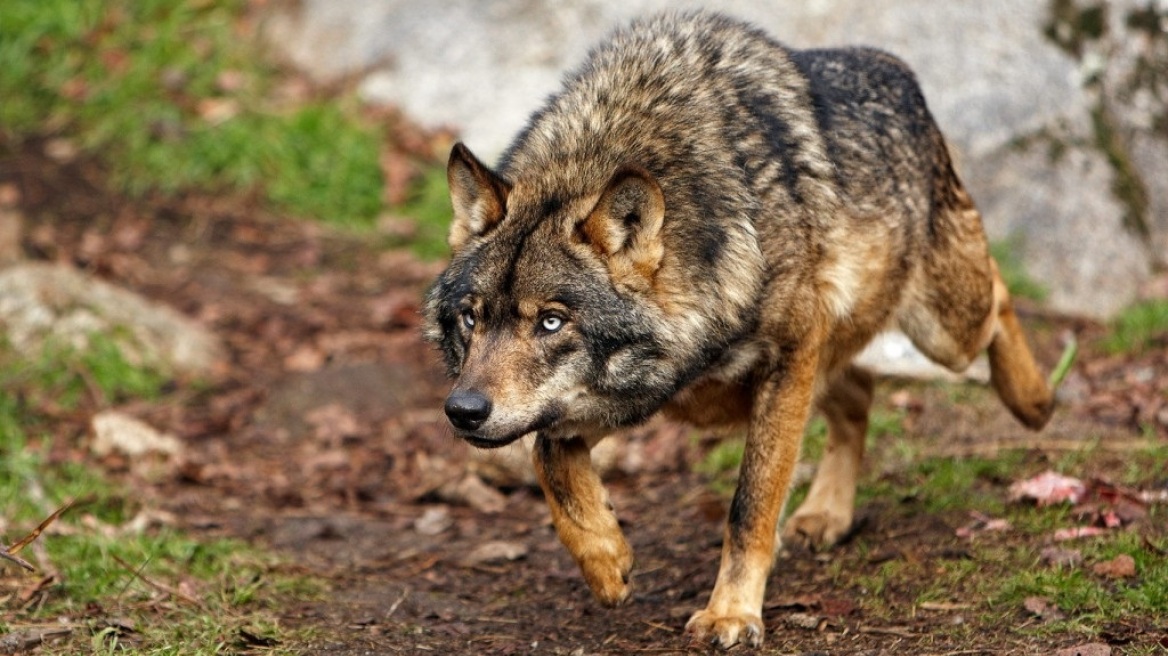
{"x": 174, "y": 96}
{"x": 1013, "y": 271}
{"x": 116, "y": 587}
{"x": 1138, "y": 327}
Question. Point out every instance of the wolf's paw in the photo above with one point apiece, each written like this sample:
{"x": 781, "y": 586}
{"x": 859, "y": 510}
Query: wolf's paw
{"x": 606, "y": 568}
{"x": 725, "y": 631}
{"x": 816, "y": 529}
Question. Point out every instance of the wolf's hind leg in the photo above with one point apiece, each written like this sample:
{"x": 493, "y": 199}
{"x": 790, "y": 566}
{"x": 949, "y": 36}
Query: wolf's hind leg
{"x": 826, "y": 515}
{"x": 583, "y": 516}
{"x": 957, "y": 305}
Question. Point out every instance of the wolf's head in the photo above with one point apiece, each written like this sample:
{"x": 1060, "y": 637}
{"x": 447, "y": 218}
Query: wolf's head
{"x": 543, "y": 315}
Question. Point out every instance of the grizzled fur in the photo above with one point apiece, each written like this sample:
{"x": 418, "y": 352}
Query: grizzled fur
{"x": 706, "y": 222}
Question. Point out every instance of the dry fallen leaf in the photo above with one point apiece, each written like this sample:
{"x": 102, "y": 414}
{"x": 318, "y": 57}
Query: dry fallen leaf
{"x": 470, "y": 490}
{"x": 332, "y": 422}
{"x": 982, "y": 522}
{"x": 1078, "y": 532}
{"x": 217, "y": 111}
{"x": 306, "y": 358}
{"x": 1122, "y": 566}
{"x": 1048, "y": 488}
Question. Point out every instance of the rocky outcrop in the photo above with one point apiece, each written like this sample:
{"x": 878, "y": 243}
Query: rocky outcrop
{"x": 52, "y": 303}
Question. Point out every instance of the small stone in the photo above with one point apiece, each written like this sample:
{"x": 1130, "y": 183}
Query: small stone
{"x": 115, "y": 432}
{"x": 495, "y": 551}
{"x": 433, "y": 521}
{"x": 61, "y": 150}
{"x": 803, "y": 621}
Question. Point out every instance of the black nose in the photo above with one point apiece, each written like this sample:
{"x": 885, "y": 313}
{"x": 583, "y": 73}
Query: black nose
{"x": 467, "y": 410}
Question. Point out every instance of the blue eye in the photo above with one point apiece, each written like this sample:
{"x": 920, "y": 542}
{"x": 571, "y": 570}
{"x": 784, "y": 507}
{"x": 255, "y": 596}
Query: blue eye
{"x": 551, "y": 323}
{"x": 468, "y": 319}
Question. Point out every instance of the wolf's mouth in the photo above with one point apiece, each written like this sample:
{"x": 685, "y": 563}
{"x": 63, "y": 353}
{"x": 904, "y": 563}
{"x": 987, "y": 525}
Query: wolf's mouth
{"x": 484, "y": 443}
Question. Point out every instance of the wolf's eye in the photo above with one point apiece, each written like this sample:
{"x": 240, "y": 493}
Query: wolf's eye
{"x": 551, "y": 323}
{"x": 468, "y": 319}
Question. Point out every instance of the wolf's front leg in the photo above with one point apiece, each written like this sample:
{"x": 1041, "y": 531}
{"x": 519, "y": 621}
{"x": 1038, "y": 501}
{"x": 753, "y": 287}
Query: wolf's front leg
{"x": 583, "y": 516}
{"x": 781, "y": 406}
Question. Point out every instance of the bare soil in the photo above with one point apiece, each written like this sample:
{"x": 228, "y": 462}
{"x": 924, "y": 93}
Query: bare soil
{"x": 323, "y": 438}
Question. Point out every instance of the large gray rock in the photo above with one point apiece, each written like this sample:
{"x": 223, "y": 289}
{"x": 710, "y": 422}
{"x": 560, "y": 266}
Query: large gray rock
{"x": 1017, "y": 107}
{"x": 48, "y": 302}
{"x": 1132, "y": 52}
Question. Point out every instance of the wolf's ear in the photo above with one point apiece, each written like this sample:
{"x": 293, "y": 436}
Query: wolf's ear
{"x": 625, "y": 225}
{"x": 478, "y": 195}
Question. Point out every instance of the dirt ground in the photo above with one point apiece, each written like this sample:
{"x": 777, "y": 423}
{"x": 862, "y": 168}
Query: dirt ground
{"x": 323, "y": 438}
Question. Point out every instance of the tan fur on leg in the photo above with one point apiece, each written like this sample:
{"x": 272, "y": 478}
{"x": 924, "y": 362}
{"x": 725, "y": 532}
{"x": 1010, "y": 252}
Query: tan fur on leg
{"x": 780, "y": 412}
{"x": 826, "y": 515}
{"x": 583, "y": 516}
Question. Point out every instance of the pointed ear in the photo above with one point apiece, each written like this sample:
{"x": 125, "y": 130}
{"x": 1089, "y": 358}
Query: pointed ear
{"x": 478, "y": 195}
{"x": 625, "y": 225}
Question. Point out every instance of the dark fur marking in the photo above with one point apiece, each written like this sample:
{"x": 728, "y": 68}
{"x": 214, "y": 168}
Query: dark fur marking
{"x": 560, "y": 352}
{"x": 712, "y": 242}
{"x": 508, "y": 286}
{"x": 739, "y": 516}
{"x": 551, "y": 205}
{"x": 761, "y": 106}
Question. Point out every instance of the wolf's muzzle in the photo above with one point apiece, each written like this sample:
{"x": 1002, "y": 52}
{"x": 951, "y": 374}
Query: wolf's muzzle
{"x": 467, "y": 409}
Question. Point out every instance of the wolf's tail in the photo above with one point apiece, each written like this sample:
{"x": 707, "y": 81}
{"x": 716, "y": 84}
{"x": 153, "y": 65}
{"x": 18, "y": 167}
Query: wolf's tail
{"x": 1013, "y": 372}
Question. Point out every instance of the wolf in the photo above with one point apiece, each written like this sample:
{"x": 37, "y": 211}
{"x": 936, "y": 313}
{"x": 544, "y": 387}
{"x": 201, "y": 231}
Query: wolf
{"x": 705, "y": 223}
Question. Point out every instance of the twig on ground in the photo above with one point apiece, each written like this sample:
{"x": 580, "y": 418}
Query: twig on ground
{"x": 9, "y": 553}
{"x": 165, "y": 589}
{"x": 944, "y": 606}
{"x": 19, "y": 641}
{"x": 16, "y": 559}
{"x": 393, "y": 607}
{"x": 660, "y": 627}
{"x": 892, "y": 631}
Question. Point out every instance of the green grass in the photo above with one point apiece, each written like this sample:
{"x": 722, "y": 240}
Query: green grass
{"x": 721, "y": 463}
{"x": 136, "y": 82}
{"x": 1138, "y": 327}
{"x": 429, "y": 206}
{"x": 1003, "y": 569}
{"x": 1013, "y": 271}
{"x": 1089, "y": 600}
{"x": 66, "y": 373}
{"x": 179, "y": 594}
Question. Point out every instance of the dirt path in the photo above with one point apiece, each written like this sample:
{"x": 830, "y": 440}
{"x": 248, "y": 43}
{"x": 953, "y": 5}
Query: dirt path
{"x": 323, "y": 440}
